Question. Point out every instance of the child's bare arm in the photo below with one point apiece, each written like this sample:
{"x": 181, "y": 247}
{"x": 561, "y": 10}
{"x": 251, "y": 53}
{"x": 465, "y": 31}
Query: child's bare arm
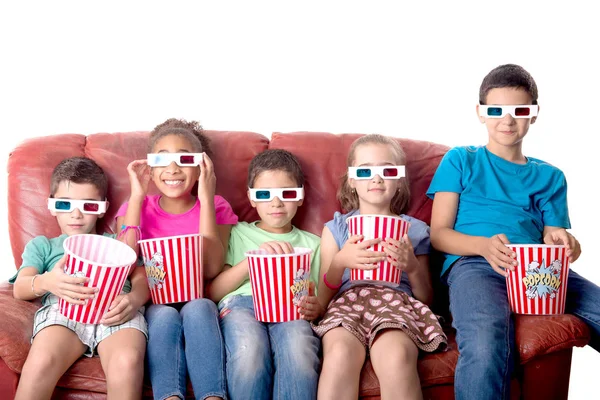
{"x": 420, "y": 280}
{"x": 446, "y": 239}
{"x": 557, "y": 235}
{"x": 214, "y": 248}
{"x": 215, "y": 238}
{"x": 139, "y": 177}
{"x": 227, "y": 281}
{"x": 329, "y": 249}
{"x": 401, "y": 255}
{"x": 28, "y": 286}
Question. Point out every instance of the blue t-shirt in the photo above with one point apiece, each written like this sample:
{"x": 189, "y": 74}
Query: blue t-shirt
{"x": 498, "y": 196}
{"x": 418, "y": 233}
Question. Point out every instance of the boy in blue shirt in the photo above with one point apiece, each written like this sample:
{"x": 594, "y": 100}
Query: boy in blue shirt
{"x": 484, "y": 198}
{"x": 77, "y": 199}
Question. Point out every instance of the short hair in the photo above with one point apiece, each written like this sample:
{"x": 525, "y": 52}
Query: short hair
{"x": 191, "y": 130}
{"x": 348, "y": 197}
{"x": 275, "y": 160}
{"x": 508, "y": 76}
{"x": 79, "y": 170}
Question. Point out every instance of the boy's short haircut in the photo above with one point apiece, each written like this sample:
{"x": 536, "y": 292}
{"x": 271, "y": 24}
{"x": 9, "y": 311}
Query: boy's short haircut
{"x": 508, "y": 76}
{"x": 79, "y": 170}
{"x": 191, "y": 130}
{"x": 275, "y": 160}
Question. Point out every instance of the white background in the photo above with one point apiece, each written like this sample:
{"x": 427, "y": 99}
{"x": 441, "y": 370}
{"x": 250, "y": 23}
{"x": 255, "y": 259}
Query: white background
{"x": 409, "y": 71}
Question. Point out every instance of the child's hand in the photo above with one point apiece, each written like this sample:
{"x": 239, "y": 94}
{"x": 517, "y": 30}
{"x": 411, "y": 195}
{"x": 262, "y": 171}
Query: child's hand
{"x": 401, "y": 254}
{"x": 120, "y": 311}
{"x": 207, "y": 182}
{"x": 356, "y": 256}
{"x": 561, "y": 236}
{"x": 68, "y": 288}
{"x": 139, "y": 176}
{"x": 277, "y": 247}
{"x": 310, "y": 308}
{"x": 499, "y": 256}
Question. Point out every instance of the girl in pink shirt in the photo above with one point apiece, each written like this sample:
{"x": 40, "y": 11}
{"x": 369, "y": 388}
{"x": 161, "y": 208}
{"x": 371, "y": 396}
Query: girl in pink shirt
{"x": 184, "y": 339}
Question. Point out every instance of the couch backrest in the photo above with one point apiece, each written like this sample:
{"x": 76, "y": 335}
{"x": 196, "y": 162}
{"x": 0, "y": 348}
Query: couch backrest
{"x": 322, "y": 155}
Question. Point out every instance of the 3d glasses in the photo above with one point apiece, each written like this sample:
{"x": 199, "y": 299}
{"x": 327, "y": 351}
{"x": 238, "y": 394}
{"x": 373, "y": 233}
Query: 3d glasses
{"x": 384, "y": 171}
{"x": 181, "y": 159}
{"x": 85, "y": 206}
{"x": 524, "y": 111}
{"x": 284, "y": 194}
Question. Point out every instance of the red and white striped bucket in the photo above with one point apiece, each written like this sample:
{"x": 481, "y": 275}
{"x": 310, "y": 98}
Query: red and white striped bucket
{"x": 538, "y": 285}
{"x": 106, "y": 262}
{"x": 173, "y": 268}
{"x": 377, "y": 227}
{"x": 278, "y": 282}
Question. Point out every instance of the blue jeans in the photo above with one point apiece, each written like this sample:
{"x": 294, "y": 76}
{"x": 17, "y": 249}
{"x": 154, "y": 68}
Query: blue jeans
{"x": 485, "y": 327}
{"x": 268, "y": 360}
{"x": 185, "y": 340}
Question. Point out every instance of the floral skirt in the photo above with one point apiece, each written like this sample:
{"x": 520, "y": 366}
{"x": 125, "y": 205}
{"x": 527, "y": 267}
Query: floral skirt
{"x": 365, "y": 310}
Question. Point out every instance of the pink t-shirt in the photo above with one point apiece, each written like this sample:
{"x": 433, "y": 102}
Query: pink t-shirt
{"x": 156, "y": 223}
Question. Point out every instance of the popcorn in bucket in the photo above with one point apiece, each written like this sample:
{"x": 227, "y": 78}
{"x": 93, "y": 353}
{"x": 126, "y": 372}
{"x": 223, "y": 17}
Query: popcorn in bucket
{"x": 173, "y": 268}
{"x": 538, "y": 285}
{"x": 106, "y": 262}
{"x": 377, "y": 227}
{"x": 278, "y": 283}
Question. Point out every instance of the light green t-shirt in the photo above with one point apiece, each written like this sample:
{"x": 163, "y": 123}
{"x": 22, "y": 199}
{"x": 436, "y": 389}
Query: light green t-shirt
{"x": 42, "y": 253}
{"x": 247, "y": 236}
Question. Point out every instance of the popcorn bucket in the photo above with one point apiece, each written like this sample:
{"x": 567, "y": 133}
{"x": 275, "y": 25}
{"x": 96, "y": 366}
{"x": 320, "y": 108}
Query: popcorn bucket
{"x": 278, "y": 282}
{"x": 106, "y": 262}
{"x": 538, "y": 285}
{"x": 377, "y": 227}
{"x": 173, "y": 268}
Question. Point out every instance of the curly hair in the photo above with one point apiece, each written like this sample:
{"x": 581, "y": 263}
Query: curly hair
{"x": 348, "y": 197}
{"x": 191, "y": 130}
{"x": 508, "y": 76}
{"x": 79, "y": 170}
{"x": 275, "y": 160}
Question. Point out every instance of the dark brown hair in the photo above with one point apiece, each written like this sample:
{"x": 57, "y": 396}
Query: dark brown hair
{"x": 348, "y": 197}
{"x": 190, "y": 130}
{"x": 79, "y": 170}
{"x": 275, "y": 160}
{"x": 508, "y": 76}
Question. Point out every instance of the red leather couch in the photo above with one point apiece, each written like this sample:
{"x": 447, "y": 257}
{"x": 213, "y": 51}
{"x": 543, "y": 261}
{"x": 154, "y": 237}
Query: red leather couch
{"x": 544, "y": 343}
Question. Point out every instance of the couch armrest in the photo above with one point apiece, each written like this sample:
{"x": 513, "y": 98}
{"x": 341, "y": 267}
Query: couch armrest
{"x": 540, "y": 335}
{"x": 16, "y": 327}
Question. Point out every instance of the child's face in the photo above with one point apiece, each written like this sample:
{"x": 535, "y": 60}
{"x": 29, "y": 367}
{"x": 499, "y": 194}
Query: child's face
{"x": 377, "y": 192}
{"x": 76, "y": 222}
{"x": 507, "y": 131}
{"x": 276, "y": 215}
{"x": 174, "y": 181}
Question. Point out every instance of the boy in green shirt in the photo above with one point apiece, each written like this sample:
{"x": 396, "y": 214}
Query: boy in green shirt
{"x": 77, "y": 199}
{"x": 268, "y": 360}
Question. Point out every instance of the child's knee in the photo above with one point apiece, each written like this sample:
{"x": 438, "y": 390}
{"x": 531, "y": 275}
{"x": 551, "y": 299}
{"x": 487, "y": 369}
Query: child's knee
{"x": 199, "y": 310}
{"x": 162, "y": 317}
{"x": 249, "y": 358}
{"x": 39, "y": 363}
{"x": 340, "y": 352}
{"x": 402, "y": 357}
{"x": 126, "y": 363}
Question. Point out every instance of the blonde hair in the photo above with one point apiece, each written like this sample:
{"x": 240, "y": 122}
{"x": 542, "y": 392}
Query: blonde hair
{"x": 348, "y": 197}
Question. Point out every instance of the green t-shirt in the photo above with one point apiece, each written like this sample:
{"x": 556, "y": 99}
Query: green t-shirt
{"x": 245, "y": 237}
{"x": 42, "y": 253}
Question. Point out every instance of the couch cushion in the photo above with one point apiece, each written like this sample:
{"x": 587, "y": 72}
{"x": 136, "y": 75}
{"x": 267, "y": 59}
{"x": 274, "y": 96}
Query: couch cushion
{"x": 323, "y": 159}
{"x": 536, "y": 336}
